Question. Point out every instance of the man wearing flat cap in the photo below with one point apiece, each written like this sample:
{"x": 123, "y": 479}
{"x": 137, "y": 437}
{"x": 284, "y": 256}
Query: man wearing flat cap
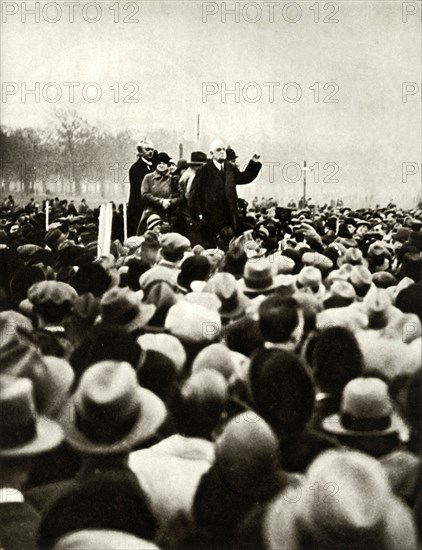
{"x": 213, "y": 197}
{"x": 137, "y": 172}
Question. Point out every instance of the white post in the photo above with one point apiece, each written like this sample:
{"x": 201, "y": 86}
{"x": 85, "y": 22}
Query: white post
{"x": 107, "y": 229}
{"x": 101, "y": 229}
{"x": 124, "y": 222}
{"x": 47, "y": 214}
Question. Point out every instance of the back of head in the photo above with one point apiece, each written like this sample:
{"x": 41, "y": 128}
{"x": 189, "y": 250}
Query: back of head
{"x": 336, "y": 359}
{"x": 158, "y": 373}
{"x": 247, "y": 453}
{"x": 282, "y": 389}
{"x": 278, "y": 318}
{"x": 110, "y": 500}
{"x": 198, "y": 408}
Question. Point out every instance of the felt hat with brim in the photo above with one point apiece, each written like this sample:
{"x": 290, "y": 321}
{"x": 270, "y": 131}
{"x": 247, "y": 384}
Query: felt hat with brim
{"x": 167, "y": 344}
{"x": 322, "y": 262}
{"x": 109, "y": 412}
{"x": 233, "y": 302}
{"x": 259, "y": 277}
{"x": 401, "y": 235}
{"x": 310, "y": 280}
{"x": 411, "y": 266}
{"x": 341, "y": 294}
{"x": 93, "y": 539}
{"x": 379, "y": 256}
{"x": 360, "y": 276}
{"x": 24, "y": 432}
{"x": 363, "y": 511}
{"x": 353, "y": 256}
{"x": 366, "y": 408}
{"x": 121, "y": 306}
{"x": 415, "y": 239}
{"x": 192, "y": 322}
{"x": 197, "y": 158}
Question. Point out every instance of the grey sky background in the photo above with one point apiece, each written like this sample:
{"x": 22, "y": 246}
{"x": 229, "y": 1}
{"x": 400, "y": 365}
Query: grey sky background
{"x": 171, "y": 52}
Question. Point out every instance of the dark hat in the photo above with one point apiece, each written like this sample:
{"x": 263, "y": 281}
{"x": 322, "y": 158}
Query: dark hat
{"x": 401, "y": 235}
{"x": 231, "y": 155}
{"x": 163, "y": 157}
{"x": 383, "y": 279}
{"x": 197, "y": 158}
{"x": 110, "y": 412}
{"x": 411, "y": 266}
{"x": 409, "y": 300}
{"x": 193, "y": 268}
{"x": 336, "y": 359}
{"x": 108, "y": 510}
{"x": 282, "y": 389}
{"x": 91, "y": 278}
{"x": 24, "y": 432}
{"x": 415, "y": 239}
{"x": 243, "y": 335}
{"x": 54, "y": 238}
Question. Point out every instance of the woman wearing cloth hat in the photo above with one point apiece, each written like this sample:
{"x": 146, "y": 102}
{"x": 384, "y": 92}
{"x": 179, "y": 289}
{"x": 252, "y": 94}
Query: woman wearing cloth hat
{"x": 157, "y": 193}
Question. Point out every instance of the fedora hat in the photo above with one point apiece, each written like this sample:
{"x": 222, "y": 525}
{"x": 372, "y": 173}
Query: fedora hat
{"x": 366, "y": 409}
{"x": 121, "y": 306}
{"x": 24, "y": 432}
{"x": 415, "y": 239}
{"x": 352, "y": 256}
{"x": 259, "y": 277}
{"x": 341, "y": 294}
{"x": 401, "y": 235}
{"x": 197, "y": 158}
{"x": 310, "y": 280}
{"x": 109, "y": 412}
{"x": 315, "y": 259}
{"x": 379, "y": 256}
{"x": 411, "y": 266}
{"x": 233, "y": 302}
{"x": 363, "y": 513}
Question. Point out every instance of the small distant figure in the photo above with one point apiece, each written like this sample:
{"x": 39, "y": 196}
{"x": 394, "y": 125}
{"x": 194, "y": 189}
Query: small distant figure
{"x": 83, "y": 207}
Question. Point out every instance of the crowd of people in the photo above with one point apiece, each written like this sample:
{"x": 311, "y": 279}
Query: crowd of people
{"x": 232, "y": 375}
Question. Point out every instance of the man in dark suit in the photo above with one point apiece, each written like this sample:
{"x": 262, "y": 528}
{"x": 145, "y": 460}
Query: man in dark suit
{"x": 137, "y": 172}
{"x": 213, "y": 196}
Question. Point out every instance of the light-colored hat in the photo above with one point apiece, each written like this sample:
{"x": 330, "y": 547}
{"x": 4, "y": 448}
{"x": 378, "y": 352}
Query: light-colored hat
{"x": 366, "y": 409}
{"x": 94, "y": 539}
{"x": 233, "y": 302}
{"x": 193, "y": 323}
{"x": 259, "y": 277}
{"x": 110, "y": 413}
{"x": 23, "y": 431}
{"x": 166, "y": 344}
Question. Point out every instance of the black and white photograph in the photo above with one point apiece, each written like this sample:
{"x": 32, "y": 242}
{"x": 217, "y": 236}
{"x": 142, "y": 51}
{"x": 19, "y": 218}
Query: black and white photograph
{"x": 210, "y": 275}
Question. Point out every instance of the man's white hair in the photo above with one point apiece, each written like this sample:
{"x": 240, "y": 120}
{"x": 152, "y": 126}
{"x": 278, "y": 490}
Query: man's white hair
{"x": 216, "y": 143}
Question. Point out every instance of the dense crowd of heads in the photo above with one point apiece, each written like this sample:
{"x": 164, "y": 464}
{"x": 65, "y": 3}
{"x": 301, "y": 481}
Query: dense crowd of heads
{"x": 263, "y": 393}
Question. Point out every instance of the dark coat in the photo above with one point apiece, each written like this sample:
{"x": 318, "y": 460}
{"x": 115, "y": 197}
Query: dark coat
{"x": 135, "y": 207}
{"x": 18, "y": 526}
{"x": 215, "y": 198}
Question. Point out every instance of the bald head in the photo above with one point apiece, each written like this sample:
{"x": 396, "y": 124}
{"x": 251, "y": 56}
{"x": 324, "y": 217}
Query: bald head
{"x": 218, "y": 150}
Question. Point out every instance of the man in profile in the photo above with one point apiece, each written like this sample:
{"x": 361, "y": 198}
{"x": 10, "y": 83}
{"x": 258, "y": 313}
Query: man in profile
{"x": 137, "y": 172}
{"x": 213, "y": 196}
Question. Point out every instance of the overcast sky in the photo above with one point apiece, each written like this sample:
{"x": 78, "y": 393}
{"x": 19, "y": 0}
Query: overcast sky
{"x": 172, "y": 49}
